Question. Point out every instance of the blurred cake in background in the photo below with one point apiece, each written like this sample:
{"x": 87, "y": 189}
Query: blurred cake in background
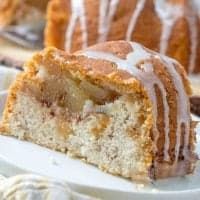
{"x": 171, "y": 27}
{"x": 13, "y": 55}
{"x": 21, "y": 11}
{"x": 22, "y": 24}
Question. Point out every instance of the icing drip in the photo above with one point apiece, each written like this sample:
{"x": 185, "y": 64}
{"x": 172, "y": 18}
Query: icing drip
{"x": 138, "y": 9}
{"x": 152, "y": 95}
{"x": 78, "y": 12}
{"x": 168, "y": 14}
{"x": 147, "y": 77}
{"x": 107, "y": 10}
{"x": 183, "y": 116}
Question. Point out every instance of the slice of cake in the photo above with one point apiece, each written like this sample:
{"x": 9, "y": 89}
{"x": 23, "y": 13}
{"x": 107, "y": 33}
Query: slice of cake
{"x": 116, "y": 105}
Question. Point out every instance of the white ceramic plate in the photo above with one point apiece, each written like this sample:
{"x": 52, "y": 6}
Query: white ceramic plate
{"x": 7, "y": 75}
{"x": 19, "y": 156}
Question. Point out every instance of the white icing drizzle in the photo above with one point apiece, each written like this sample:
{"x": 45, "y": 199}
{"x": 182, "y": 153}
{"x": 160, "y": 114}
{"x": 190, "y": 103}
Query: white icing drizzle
{"x": 147, "y": 77}
{"x": 78, "y": 12}
{"x": 152, "y": 95}
{"x": 168, "y": 14}
{"x": 107, "y": 11}
{"x": 138, "y": 9}
{"x": 183, "y": 116}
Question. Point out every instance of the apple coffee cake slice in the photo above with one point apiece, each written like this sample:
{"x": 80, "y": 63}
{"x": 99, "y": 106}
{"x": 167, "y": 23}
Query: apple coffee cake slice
{"x": 116, "y": 105}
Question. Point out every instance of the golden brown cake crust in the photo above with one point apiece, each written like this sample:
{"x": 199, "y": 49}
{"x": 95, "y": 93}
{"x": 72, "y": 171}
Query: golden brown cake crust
{"x": 147, "y": 24}
{"x": 108, "y": 74}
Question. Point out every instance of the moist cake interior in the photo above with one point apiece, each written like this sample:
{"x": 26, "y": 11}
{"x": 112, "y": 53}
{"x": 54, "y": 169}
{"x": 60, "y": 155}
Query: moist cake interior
{"x": 88, "y": 121}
